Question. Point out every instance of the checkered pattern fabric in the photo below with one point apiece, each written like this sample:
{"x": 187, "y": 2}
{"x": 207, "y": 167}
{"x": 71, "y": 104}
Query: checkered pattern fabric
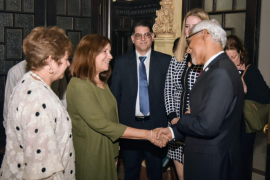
{"x": 179, "y": 81}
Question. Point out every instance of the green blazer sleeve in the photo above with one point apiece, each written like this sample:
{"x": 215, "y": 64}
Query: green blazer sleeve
{"x": 86, "y": 103}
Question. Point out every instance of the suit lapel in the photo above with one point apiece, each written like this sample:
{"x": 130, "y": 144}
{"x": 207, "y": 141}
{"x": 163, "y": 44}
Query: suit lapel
{"x": 153, "y": 66}
{"x": 218, "y": 58}
{"x": 132, "y": 68}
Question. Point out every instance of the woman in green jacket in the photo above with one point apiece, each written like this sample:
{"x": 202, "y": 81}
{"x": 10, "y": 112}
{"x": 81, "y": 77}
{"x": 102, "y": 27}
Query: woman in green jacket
{"x": 94, "y": 114}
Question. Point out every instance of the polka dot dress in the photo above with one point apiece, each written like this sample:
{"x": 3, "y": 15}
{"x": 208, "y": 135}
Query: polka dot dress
{"x": 39, "y": 140}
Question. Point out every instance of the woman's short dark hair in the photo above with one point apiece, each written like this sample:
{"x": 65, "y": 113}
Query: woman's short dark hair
{"x": 43, "y": 42}
{"x": 234, "y": 43}
{"x": 84, "y": 60}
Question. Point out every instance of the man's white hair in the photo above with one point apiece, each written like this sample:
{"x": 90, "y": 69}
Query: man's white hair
{"x": 214, "y": 29}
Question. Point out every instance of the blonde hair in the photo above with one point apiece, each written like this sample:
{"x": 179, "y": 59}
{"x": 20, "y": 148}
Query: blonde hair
{"x": 182, "y": 44}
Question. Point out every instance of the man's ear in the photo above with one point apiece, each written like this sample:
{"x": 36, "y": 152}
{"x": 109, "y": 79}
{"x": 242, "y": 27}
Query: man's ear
{"x": 153, "y": 35}
{"x": 205, "y": 34}
{"x": 132, "y": 38}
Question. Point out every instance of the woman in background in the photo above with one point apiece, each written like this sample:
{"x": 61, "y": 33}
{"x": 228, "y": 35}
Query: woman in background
{"x": 39, "y": 138}
{"x": 93, "y": 111}
{"x": 255, "y": 89}
{"x": 181, "y": 76}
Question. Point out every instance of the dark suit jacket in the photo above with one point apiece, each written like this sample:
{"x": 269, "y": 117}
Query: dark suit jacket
{"x": 212, "y": 129}
{"x": 124, "y": 87}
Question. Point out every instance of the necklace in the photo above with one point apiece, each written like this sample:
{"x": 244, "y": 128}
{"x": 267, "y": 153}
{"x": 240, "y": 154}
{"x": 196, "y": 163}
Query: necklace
{"x": 47, "y": 86}
{"x": 39, "y": 78}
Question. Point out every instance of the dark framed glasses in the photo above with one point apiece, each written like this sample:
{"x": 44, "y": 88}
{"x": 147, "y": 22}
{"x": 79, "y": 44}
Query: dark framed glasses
{"x": 138, "y": 36}
{"x": 187, "y": 38}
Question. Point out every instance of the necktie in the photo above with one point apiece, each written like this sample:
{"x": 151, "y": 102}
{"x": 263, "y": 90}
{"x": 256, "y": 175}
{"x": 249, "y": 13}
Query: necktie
{"x": 200, "y": 73}
{"x": 143, "y": 87}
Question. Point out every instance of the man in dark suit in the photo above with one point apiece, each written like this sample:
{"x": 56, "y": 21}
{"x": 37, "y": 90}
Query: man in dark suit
{"x": 211, "y": 128}
{"x": 138, "y": 82}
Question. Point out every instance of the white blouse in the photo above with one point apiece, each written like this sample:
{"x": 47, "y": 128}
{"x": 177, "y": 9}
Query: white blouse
{"x": 39, "y": 137}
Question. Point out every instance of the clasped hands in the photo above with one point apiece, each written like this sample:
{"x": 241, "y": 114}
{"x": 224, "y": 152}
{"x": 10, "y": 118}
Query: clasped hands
{"x": 160, "y": 136}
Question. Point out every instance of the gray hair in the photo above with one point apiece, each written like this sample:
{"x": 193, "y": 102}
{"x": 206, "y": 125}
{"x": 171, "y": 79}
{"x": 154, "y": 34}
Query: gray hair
{"x": 214, "y": 29}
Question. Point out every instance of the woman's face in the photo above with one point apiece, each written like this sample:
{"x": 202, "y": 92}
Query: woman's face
{"x": 191, "y": 21}
{"x": 103, "y": 59}
{"x": 60, "y": 69}
{"x": 234, "y": 56}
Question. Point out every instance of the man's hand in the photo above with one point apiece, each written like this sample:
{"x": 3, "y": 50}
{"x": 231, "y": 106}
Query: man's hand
{"x": 164, "y": 132}
{"x": 175, "y": 120}
{"x": 162, "y": 141}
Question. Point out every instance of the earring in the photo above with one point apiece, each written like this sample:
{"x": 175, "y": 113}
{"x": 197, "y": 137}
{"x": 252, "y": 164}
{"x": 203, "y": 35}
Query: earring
{"x": 51, "y": 71}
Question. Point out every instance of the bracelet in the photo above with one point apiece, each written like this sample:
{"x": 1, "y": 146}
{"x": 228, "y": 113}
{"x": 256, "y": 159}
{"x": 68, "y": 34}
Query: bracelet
{"x": 151, "y": 135}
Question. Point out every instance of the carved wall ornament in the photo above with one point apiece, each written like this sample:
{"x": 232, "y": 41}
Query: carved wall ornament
{"x": 164, "y": 23}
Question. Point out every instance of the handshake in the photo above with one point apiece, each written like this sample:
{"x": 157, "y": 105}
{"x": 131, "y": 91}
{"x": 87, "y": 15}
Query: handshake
{"x": 160, "y": 136}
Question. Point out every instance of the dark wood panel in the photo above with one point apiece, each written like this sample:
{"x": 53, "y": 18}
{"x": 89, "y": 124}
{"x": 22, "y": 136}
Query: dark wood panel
{"x": 190, "y": 4}
{"x": 50, "y": 13}
{"x": 95, "y": 17}
{"x": 252, "y": 31}
{"x": 105, "y": 9}
{"x": 39, "y": 13}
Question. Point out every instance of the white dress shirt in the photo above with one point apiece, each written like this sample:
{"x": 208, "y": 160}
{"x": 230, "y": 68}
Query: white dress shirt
{"x": 211, "y": 59}
{"x": 147, "y": 65}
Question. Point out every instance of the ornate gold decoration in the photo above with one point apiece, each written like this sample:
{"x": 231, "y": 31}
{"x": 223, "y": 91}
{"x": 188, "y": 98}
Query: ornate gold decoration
{"x": 164, "y": 23}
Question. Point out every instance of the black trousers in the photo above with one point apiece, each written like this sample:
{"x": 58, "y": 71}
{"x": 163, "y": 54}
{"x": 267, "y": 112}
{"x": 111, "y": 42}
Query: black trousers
{"x": 133, "y": 152}
{"x": 247, "y": 141}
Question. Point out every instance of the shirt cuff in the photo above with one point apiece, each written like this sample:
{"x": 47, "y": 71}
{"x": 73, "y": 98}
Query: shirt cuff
{"x": 172, "y": 132}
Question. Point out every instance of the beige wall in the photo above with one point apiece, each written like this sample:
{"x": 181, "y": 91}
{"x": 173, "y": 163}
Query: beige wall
{"x": 264, "y": 47}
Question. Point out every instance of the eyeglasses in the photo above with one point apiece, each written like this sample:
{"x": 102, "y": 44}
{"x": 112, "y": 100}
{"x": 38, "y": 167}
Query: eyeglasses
{"x": 138, "y": 36}
{"x": 191, "y": 36}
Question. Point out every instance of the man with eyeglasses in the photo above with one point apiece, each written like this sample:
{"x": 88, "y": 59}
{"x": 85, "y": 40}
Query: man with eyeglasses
{"x": 211, "y": 128}
{"x": 138, "y": 83}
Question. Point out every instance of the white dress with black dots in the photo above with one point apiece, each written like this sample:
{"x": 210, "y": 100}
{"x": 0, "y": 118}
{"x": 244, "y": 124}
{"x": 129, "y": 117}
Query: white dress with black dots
{"x": 39, "y": 137}
{"x": 179, "y": 81}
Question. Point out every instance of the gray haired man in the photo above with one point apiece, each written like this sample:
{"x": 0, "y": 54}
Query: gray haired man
{"x": 211, "y": 127}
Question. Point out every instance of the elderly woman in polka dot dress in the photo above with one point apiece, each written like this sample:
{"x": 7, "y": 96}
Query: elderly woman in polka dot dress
{"x": 39, "y": 140}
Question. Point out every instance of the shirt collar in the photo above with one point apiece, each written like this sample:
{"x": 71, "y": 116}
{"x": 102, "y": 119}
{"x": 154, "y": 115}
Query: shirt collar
{"x": 148, "y": 54}
{"x": 211, "y": 59}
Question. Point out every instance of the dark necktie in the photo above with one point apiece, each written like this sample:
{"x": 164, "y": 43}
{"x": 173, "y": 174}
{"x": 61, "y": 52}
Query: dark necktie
{"x": 143, "y": 87}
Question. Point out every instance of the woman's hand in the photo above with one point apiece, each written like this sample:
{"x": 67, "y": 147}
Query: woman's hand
{"x": 244, "y": 85}
{"x": 188, "y": 111}
{"x": 175, "y": 120}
